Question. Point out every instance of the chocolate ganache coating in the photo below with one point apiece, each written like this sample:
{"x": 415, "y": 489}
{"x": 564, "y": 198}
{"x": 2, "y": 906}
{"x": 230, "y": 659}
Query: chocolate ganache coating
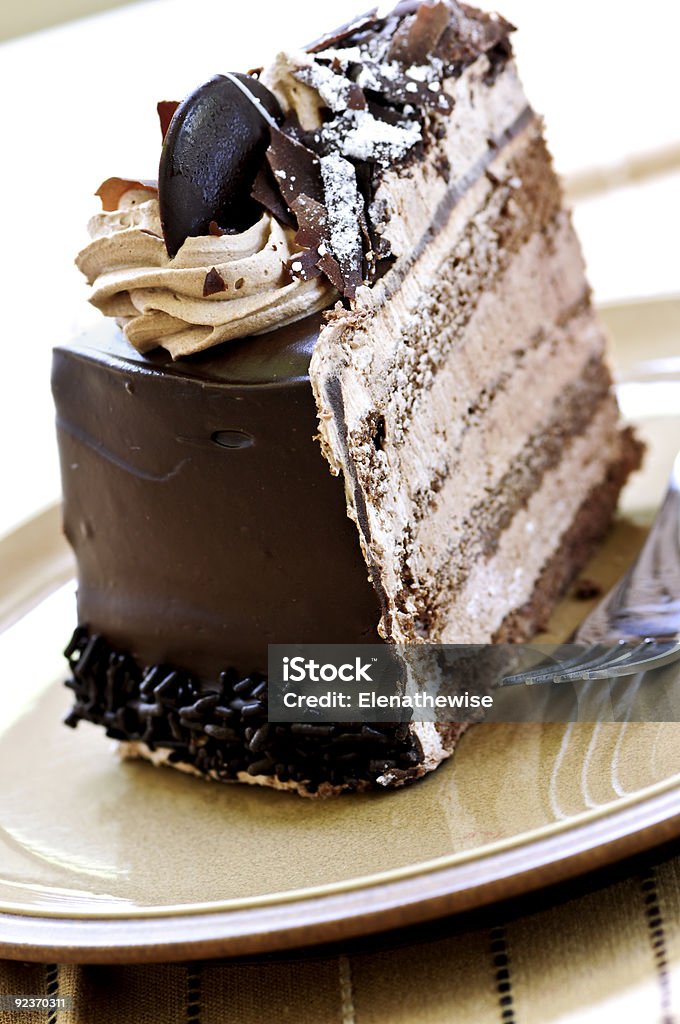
{"x": 201, "y": 511}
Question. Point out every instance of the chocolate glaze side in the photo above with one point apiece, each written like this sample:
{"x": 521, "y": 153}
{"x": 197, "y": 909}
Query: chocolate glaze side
{"x": 202, "y": 514}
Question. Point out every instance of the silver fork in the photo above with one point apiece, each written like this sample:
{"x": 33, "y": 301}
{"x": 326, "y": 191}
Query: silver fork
{"x": 636, "y": 627}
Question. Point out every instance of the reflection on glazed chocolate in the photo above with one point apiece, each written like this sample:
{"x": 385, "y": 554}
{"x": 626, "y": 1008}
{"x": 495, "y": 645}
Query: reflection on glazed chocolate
{"x": 232, "y": 439}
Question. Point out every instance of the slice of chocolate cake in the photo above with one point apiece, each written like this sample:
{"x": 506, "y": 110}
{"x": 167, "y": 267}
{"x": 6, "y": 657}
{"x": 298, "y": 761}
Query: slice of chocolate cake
{"x": 393, "y": 175}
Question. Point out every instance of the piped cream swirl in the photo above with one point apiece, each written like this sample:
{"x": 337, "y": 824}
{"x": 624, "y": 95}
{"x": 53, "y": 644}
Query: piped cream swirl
{"x": 162, "y": 301}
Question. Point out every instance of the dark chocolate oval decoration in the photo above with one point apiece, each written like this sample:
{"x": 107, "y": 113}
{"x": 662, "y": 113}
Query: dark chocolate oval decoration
{"x": 212, "y": 151}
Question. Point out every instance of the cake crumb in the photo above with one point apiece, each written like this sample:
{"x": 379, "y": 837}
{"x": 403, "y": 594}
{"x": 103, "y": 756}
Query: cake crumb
{"x": 586, "y": 588}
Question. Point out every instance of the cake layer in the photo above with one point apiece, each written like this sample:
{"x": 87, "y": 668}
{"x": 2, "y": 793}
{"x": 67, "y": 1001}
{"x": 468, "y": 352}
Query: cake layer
{"x": 199, "y": 506}
{"x": 502, "y": 580}
{"x": 464, "y": 393}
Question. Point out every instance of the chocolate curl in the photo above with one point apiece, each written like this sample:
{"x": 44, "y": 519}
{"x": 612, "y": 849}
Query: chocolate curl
{"x": 166, "y": 109}
{"x": 113, "y": 189}
{"x": 418, "y": 35}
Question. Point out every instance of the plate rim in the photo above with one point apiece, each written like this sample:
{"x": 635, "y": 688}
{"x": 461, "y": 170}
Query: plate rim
{"x": 360, "y": 883}
{"x": 341, "y": 916}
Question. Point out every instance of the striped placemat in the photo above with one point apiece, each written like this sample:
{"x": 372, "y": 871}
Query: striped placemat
{"x": 595, "y": 951}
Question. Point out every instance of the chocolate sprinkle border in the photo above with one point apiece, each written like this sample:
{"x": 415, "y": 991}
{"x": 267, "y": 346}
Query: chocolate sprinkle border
{"x": 221, "y": 729}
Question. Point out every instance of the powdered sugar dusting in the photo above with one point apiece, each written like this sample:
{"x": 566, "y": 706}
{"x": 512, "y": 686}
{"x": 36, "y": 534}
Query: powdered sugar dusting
{"x": 367, "y": 138}
{"x": 345, "y": 207}
{"x": 333, "y": 89}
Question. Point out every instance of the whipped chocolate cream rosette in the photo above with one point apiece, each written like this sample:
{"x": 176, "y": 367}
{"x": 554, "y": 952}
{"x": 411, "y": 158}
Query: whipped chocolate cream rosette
{"x": 216, "y": 288}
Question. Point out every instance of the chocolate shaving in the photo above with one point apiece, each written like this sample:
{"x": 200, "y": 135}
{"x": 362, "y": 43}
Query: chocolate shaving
{"x": 166, "y": 110}
{"x": 312, "y": 218}
{"x": 455, "y": 32}
{"x": 344, "y": 204}
{"x": 313, "y": 233}
{"x": 360, "y": 24}
{"x": 401, "y": 89}
{"x": 214, "y": 283}
{"x": 387, "y": 114}
{"x": 331, "y": 268}
{"x": 356, "y": 99}
{"x": 304, "y": 265}
{"x": 296, "y": 169}
{"x": 471, "y": 33}
{"x": 215, "y": 230}
{"x": 487, "y": 29}
{"x": 418, "y": 34}
{"x": 113, "y": 189}
{"x": 369, "y": 255}
{"x": 267, "y": 193}
{"x": 338, "y": 35}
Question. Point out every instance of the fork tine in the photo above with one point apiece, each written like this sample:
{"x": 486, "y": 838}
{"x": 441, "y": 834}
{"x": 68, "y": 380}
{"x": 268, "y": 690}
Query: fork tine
{"x": 650, "y": 654}
{"x": 545, "y": 672}
{"x": 608, "y": 665}
{"x": 621, "y": 660}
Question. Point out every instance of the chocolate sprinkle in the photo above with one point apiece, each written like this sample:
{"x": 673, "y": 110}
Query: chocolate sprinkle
{"x": 222, "y": 729}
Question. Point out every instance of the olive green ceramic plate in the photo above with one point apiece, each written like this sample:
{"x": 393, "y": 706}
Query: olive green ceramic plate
{"x": 103, "y": 861}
